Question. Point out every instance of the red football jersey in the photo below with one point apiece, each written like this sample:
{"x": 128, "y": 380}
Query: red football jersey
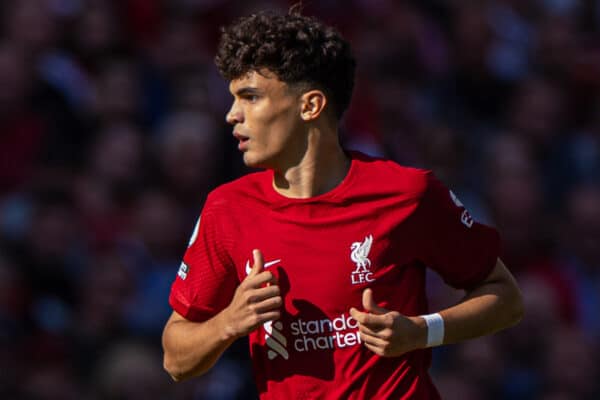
{"x": 381, "y": 227}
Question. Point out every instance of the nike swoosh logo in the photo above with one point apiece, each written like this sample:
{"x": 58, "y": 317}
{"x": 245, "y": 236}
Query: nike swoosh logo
{"x": 267, "y": 265}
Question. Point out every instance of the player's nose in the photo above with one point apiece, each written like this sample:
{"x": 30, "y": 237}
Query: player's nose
{"x": 234, "y": 115}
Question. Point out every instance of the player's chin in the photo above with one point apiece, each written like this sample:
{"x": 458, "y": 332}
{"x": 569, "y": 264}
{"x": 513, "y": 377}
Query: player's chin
{"x": 253, "y": 160}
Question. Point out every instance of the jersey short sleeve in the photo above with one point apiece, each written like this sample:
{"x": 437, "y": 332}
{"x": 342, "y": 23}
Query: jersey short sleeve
{"x": 460, "y": 249}
{"x": 206, "y": 279}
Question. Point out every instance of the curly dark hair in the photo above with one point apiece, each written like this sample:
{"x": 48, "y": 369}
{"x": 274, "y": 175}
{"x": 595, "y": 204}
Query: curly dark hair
{"x": 298, "y": 49}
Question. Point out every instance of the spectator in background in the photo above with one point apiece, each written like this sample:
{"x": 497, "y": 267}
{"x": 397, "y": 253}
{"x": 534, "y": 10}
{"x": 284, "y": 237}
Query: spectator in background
{"x": 571, "y": 347}
{"x": 583, "y": 149}
{"x": 49, "y": 381}
{"x": 189, "y": 161}
{"x": 537, "y": 113}
{"x": 14, "y": 301}
{"x": 473, "y": 370}
{"x": 516, "y": 200}
{"x": 99, "y": 35}
{"x": 50, "y": 258}
{"x": 106, "y": 287}
{"x": 118, "y": 92}
{"x": 106, "y": 189}
{"x": 31, "y": 26}
{"x": 581, "y": 239}
{"x": 152, "y": 252}
{"x": 130, "y": 370}
{"x": 24, "y": 130}
{"x": 526, "y": 345}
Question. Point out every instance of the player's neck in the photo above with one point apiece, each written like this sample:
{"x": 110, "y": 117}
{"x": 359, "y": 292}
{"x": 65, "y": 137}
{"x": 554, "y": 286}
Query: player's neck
{"x": 321, "y": 168}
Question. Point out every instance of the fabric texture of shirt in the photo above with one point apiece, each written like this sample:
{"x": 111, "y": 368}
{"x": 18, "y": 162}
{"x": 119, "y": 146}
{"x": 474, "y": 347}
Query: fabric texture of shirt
{"x": 381, "y": 227}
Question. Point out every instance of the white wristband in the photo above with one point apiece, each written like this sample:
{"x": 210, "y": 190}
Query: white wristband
{"x": 435, "y": 329}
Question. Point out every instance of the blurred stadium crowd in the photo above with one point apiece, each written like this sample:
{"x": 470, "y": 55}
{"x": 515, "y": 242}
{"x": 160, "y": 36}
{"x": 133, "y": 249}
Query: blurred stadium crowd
{"x": 112, "y": 132}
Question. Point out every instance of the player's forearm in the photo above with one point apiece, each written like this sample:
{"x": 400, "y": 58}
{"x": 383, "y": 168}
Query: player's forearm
{"x": 494, "y": 305}
{"x": 485, "y": 311}
{"x": 192, "y": 348}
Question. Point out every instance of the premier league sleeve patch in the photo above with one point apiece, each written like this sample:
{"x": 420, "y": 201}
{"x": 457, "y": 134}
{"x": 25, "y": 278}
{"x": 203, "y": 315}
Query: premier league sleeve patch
{"x": 183, "y": 271}
{"x": 465, "y": 217}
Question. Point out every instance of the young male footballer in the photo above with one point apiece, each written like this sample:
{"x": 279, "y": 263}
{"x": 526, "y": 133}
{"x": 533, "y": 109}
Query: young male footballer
{"x": 321, "y": 258}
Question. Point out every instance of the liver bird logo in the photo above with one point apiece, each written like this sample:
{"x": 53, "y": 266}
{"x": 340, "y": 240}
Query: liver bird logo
{"x": 360, "y": 254}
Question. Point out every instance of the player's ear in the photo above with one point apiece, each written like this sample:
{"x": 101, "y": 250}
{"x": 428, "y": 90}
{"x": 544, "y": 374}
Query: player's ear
{"x": 312, "y": 104}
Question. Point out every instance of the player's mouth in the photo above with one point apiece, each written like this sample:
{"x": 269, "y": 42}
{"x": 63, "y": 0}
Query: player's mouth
{"x": 243, "y": 141}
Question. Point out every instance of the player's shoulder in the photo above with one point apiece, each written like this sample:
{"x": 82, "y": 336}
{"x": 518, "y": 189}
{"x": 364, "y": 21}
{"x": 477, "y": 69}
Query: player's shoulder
{"x": 388, "y": 172}
{"x": 238, "y": 191}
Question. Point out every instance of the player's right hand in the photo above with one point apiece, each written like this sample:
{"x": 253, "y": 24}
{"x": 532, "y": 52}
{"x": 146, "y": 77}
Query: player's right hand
{"x": 256, "y": 300}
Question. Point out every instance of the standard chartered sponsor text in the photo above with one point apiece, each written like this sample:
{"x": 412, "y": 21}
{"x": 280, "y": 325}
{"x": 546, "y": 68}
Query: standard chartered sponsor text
{"x": 325, "y": 334}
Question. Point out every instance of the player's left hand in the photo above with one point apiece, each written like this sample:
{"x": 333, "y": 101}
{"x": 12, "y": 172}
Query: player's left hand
{"x": 387, "y": 333}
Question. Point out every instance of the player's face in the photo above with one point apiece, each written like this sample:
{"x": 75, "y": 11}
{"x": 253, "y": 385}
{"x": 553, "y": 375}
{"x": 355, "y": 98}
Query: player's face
{"x": 266, "y": 117}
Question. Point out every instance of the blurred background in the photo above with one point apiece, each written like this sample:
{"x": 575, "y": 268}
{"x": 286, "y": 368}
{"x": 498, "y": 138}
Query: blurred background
{"x": 112, "y": 132}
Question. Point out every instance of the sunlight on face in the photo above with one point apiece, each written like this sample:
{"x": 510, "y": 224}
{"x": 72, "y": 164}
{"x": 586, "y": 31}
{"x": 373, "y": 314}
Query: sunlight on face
{"x": 265, "y": 115}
